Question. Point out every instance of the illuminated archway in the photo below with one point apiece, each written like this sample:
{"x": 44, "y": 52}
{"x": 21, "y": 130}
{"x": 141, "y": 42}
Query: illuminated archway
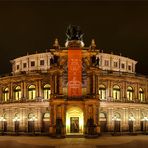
{"x": 74, "y": 117}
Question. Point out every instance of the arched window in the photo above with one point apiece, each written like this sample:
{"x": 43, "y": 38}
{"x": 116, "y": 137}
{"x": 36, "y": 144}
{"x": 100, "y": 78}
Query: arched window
{"x": 116, "y": 92}
{"x": 117, "y": 116}
{"x": 141, "y": 94}
{"x": 6, "y": 94}
{"x": 31, "y": 92}
{"x": 102, "y": 92}
{"x": 46, "y": 117}
{"x": 46, "y": 91}
{"x": 130, "y": 93}
{"x": 17, "y": 93}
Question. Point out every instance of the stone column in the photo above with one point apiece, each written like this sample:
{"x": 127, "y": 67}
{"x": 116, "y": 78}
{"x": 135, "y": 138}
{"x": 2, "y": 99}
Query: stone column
{"x": 51, "y": 119}
{"x": 137, "y": 121}
{"x": 22, "y": 90}
{"x": 88, "y": 84}
{"x": 110, "y": 123}
{"x": 109, "y": 90}
{"x": 1, "y": 94}
{"x": 22, "y": 120}
{"x": 37, "y": 89}
{"x": 94, "y": 83}
{"x": 39, "y": 120}
{"x": 52, "y": 84}
{"x": 55, "y": 84}
{"x": 125, "y": 91}
{"x": 60, "y": 84}
{"x": 146, "y": 92}
{"x": 40, "y": 89}
{"x": 124, "y": 121}
{"x": 11, "y": 98}
{"x": 97, "y": 92}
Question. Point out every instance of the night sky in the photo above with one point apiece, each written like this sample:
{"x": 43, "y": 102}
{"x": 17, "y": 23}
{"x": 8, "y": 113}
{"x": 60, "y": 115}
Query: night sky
{"x": 118, "y": 27}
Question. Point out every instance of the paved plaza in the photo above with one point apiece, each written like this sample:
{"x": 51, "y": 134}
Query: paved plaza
{"x": 101, "y": 142}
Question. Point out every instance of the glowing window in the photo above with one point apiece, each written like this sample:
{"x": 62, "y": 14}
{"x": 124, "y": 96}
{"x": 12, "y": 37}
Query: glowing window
{"x": 46, "y": 91}
{"x": 6, "y": 94}
{"x": 106, "y": 63}
{"x": 116, "y": 92}
{"x": 141, "y": 94}
{"x": 115, "y": 64}
{"x": 102, "y": 92}
{"x": 31, "y": 92}
{"x": 17, "y": 93}
{"x": 130, "y": 93}
{"x": 46, "y": 117}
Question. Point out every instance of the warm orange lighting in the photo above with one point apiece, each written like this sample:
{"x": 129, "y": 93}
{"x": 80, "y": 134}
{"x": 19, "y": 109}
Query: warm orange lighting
{"x": 74, "y": 72}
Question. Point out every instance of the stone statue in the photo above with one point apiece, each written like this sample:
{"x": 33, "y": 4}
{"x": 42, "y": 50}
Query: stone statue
{"x": 74, "y": 33}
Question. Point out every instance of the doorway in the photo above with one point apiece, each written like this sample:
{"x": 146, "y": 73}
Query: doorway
{"x": 74, "y": 121}
{"x": 74, "y": 124}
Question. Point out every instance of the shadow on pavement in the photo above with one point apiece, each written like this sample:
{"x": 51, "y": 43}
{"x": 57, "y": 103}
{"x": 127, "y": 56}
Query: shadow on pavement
{"x": 15, "y": 144}
{"x": 133, "y": 144}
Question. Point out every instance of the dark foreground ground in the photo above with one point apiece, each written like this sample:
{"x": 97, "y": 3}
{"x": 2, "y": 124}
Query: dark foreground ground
{"x": 101, "y": 142}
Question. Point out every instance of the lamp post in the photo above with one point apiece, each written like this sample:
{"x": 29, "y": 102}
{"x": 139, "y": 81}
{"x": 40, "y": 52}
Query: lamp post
{"x": 33, "y": 119}
{"x": 2, "y": 119}
{"x": 16, "y": 122}
{"x": 145, "y": 119}
{"x": 131, "y": 124}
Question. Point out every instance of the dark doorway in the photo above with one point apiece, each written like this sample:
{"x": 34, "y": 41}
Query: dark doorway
{"x": 117, "y": 126}
{"x": 5, "y": 126}
{"x": 103, "y": 126}
{"x": 45, "y": 126}
{"x": 30, "y": 126}
{"x": 130, "y": 123}
{"x": 74, "y": 124}
{"x": 142, "y": 126}
{"x": 16, "y": 126}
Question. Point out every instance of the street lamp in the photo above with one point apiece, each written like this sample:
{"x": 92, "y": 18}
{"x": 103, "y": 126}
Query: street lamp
{"x": 2, "y": 120}
{"x": 131, "y": 126}
{"x": 33, "y": 119}
{"x": 145, "y": 119}
{"x": 16, "y": 120}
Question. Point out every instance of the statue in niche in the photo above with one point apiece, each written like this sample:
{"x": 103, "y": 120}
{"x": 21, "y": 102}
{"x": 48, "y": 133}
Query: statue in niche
{"x": 74, "y": 33}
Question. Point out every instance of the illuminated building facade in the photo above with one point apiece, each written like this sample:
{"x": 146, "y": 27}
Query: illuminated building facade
{"x": 73, "y": 90}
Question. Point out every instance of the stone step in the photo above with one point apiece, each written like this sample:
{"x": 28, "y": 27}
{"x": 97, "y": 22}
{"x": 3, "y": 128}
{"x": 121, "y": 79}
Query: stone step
{"x": 74, "y": 136}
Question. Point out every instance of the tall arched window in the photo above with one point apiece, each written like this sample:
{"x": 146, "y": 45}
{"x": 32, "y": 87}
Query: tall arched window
{"x": 116, "y": 92}
{"x": 17, "y": 93}
{"x": 130, "y": 93}
{"x": 102, "y": 92}
{"x": 46, "y": 91}
{"x": 31, "y": 92}
{"x": 6, "y": 94}
{"x": 141, "y": 94}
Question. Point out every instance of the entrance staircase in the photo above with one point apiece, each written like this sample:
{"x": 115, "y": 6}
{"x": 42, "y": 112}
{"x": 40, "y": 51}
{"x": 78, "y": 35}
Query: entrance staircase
{"x": 74, "y": 135}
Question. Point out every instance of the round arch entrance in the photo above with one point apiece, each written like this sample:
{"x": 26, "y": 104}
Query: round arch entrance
{"x": 74, "y": 121}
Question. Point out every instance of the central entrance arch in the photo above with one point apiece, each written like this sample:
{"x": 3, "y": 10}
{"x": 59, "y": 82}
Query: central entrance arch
{"x": 74, "y": 120}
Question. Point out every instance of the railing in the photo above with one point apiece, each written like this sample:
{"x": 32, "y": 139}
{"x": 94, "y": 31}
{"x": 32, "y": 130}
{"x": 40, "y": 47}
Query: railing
{"x": 135, "y": 101}
{"x": 24, "y": 100}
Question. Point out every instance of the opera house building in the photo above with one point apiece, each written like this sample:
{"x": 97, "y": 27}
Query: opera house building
{"x": 73, "y": 90}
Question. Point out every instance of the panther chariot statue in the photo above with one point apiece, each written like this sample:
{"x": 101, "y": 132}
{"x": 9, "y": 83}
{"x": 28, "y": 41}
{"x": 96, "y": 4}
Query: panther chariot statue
{"x": 74, "y": 34}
